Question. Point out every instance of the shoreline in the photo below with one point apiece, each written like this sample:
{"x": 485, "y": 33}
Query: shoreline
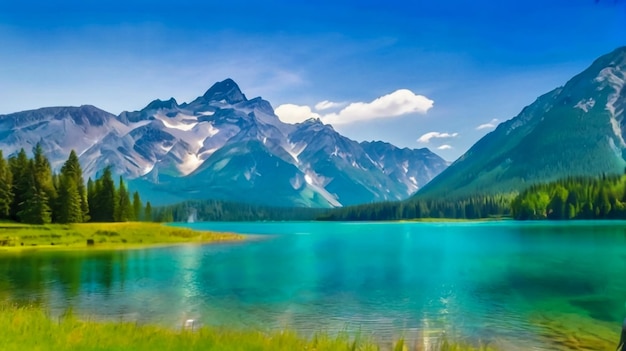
{"x": 18, "y": 238}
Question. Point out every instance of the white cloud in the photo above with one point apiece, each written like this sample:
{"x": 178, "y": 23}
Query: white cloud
{"x": 398, "y": 103}
{"x": 425, "y": 139}
{"x": 327, "y": 105}
{"x": 290, "y": 113}
{"x": 490, "y": 125}
{"x": 445, "y": 147}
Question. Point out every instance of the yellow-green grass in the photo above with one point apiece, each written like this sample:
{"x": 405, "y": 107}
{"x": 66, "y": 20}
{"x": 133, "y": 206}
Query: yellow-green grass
{"x": 30, "y": 328}
{"x": 17, "y": 237}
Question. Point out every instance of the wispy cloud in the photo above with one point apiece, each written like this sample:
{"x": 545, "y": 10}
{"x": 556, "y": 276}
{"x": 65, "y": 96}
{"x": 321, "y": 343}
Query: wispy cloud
{"x": 327, "y": 105}
{"x": 400, "y": 102}
{"x": 445, "y": 147}
{"x": 489, "y": 125}
{"x": 425, "y": 139}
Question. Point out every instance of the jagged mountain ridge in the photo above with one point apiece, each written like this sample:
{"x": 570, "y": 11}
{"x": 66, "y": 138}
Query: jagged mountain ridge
{"x": 575, "y": 130}
{"x": 223, "y": 146}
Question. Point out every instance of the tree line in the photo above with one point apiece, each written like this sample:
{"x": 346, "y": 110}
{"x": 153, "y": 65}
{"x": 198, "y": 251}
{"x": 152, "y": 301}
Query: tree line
{"x": 30, "y": 192}
{"x": 573, "y": 198}
{"x": 219, "y": 210}
{"x": 467, "y": 208}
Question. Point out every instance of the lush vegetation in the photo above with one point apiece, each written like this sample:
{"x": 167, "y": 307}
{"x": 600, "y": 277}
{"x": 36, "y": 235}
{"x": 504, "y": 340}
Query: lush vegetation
{"x": 573, "y": 198}
{"x": 217, "y": 210}
{"x": 30, "y": 328}
{"x": 31, "y": 193}
{"x": 16, "y": 236}
{"x": 569, "y": 198}
{"x": 469, "y": 208}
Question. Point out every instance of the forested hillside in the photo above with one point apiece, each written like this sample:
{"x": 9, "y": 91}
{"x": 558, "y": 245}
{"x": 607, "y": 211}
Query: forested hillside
{"x": 573, "y": 198}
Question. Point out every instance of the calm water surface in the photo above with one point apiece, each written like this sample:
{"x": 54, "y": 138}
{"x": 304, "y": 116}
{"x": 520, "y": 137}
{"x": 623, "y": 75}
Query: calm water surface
{"x": 487, "y": 281}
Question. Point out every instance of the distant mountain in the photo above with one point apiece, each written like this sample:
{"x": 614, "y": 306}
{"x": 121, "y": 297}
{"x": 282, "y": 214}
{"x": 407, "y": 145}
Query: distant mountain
{"x": 577, "y": 129}
{"x": 223, "y": 145}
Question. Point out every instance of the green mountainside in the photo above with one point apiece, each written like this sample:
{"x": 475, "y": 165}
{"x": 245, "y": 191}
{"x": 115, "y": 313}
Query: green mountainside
{"x": 574, "y": 130}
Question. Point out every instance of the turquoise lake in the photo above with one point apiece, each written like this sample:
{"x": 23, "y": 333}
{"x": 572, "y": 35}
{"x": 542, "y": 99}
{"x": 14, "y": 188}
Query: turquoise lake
{"x": 507, "y": 282}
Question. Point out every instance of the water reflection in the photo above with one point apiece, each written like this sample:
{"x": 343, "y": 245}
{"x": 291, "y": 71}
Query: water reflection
{"x": 475, "y": 281}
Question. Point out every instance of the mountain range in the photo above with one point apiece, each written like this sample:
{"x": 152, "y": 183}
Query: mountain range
{"x": 578, "y": 129}
{"x": 223, "y": 145}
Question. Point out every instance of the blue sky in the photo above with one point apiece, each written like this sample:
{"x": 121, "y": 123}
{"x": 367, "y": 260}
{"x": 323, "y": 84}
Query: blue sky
{"x": 438, "y": 67}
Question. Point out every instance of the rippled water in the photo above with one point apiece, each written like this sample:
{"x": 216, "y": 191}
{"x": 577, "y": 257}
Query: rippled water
{"x": 474, "y": 281}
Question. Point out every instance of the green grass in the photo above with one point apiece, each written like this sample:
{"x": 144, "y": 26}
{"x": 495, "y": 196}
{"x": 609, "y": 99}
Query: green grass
{"x": 16, "y": 237}
{"x": 30, "y": 328}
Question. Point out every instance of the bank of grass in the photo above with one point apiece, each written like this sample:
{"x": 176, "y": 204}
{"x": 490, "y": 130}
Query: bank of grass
{"x": 30, "y": 328}
{"x": 16, "y": 236}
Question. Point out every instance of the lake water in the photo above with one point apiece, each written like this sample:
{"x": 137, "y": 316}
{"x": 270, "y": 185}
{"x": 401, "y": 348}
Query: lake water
{"x": 509, "y": 283}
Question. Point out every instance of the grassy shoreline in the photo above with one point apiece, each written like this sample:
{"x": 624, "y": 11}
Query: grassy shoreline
{"x": 31, "y": 328}
{"x": 16, "y": 237}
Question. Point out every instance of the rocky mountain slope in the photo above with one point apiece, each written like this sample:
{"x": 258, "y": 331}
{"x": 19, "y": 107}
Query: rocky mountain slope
{"x": 223, "y": 145}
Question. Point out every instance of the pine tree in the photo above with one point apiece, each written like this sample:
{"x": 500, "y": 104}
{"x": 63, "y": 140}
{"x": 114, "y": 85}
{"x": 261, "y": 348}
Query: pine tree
{"x": 91, "y": 203}
{"x": 43, "y": 172}
{"x": 36, "y": 208}
{"x": 105, "y": 197}
{"x": 6, "y": 188}
{"x": 137, "y": 207}
{"x": 148, "y": 212}
{"x": 69, "y": 201}
{"x": 71, "y": 168}
{"x": 20, "y": 170}
{"x": 123, "y": 210}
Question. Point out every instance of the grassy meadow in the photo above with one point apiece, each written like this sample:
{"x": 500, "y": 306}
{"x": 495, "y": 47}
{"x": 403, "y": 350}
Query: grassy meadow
{"x": 17, "y": 237}
{"x": 30, "y": 328}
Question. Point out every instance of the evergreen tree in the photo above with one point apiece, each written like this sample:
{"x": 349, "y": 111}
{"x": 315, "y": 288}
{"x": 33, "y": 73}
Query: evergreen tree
{"x": 36, "y": 208}
{"x": 91, "y": 203}
{"x": 69, "y": 201}
{"x": 123, "y": 210}
{"x": 42, "y": 172}
{"x": 20, "y": 169}
{"x": 6, "y": 188}
{"x": 71, "y": 168}
{"x": 148, "y": 212}
{"x": 557, "y": 208}
{"x": 137, "y": 207}
{"x": 105, "y": 197}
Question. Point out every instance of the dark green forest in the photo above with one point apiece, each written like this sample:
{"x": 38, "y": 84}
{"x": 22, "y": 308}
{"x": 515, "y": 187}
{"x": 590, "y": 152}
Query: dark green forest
{"x": 573, "y": 198}
{"x": 469, "y": 208}
{"x": 30, "y": 192}
{"x": 217, "y": 210}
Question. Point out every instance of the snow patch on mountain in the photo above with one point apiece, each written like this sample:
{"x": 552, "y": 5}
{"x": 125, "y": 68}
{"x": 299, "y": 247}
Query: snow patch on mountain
{"x": 614, "y": 77}
{"x": 295, "y": 150}
{"x": 296, "y": 182}
{"x": 585, "y": 105}
{"x": 317, "y": 183}
{"x": 177, "y": 123}
{"x": 218, "y": 166}
{"x": 189, "y": 164}
{"x": 147, "y": 169}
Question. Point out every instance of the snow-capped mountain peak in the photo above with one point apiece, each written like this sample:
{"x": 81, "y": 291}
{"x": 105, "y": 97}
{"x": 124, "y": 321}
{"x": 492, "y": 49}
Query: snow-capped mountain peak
{"x": 222, "y": 145}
